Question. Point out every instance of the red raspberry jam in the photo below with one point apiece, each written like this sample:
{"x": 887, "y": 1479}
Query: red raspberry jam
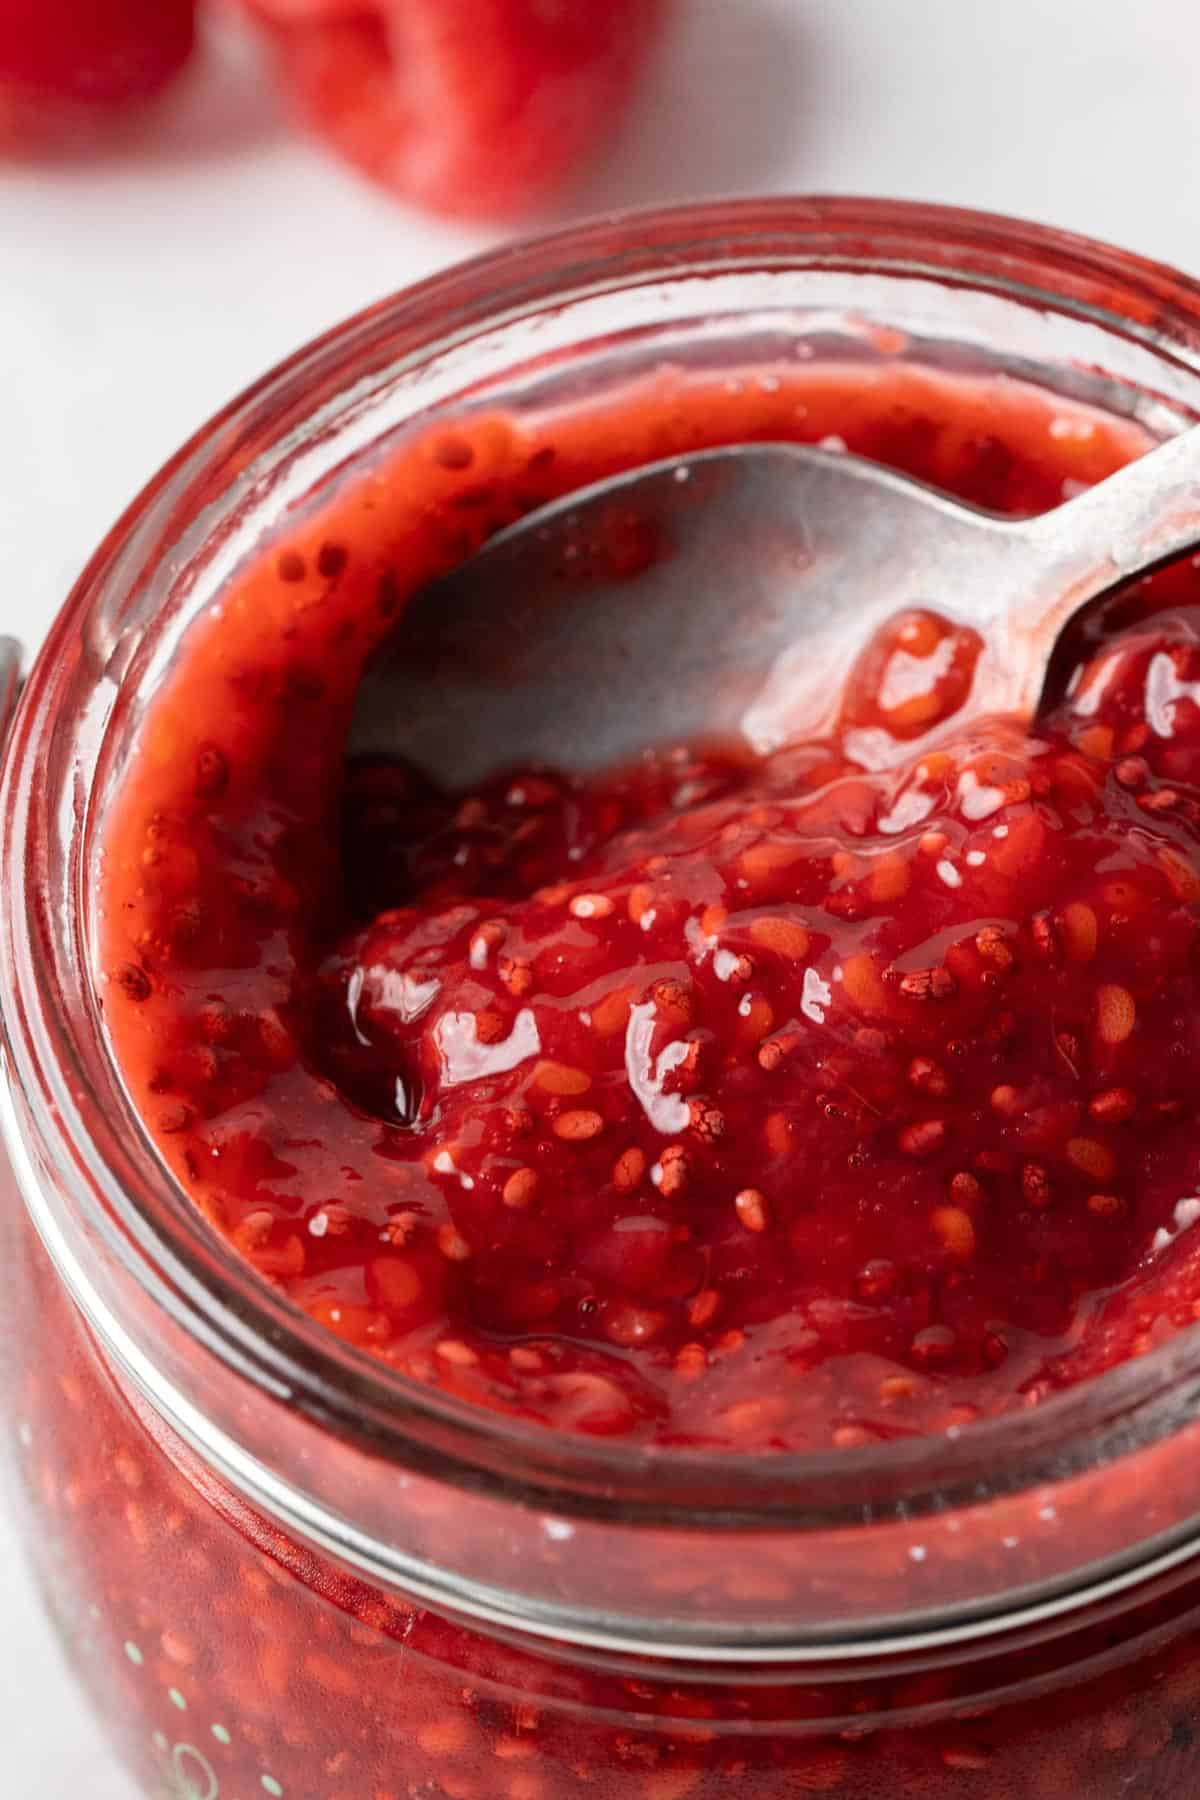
{"x": 726, "y": 1100}
{"x": 234, "y": 1662}
{"x": 721, "y": 1100}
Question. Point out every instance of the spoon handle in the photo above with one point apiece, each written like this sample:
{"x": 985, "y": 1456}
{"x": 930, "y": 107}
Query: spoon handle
{"x": 1142, "y": 515}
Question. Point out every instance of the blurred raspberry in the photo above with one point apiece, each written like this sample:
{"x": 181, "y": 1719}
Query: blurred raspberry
{"x": 470, "y": 107}
{"x": 94, "y": 52}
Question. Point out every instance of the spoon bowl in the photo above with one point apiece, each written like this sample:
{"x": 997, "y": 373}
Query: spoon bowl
{"x": 727, "y": 593}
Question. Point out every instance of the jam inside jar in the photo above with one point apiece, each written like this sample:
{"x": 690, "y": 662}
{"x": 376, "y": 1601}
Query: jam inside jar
{"x": 619, "y": 1282}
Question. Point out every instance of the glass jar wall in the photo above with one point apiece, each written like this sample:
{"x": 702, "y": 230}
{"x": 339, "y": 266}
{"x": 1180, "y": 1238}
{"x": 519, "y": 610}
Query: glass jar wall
{"x": 280, "y": 1568}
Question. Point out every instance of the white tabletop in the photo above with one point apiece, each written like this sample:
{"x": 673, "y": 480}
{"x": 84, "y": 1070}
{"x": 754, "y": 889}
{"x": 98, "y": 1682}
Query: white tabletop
{"x": 139, "y": 292}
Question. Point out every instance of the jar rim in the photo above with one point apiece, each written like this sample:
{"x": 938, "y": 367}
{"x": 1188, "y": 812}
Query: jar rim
{"x": 183, "y": 1266}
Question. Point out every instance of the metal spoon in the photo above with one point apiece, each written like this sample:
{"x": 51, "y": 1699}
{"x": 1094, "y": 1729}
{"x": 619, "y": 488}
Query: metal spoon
{"x": 728, "y": 592}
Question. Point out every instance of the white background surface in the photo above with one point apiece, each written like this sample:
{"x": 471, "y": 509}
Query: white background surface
{"x": 139, "y": 292}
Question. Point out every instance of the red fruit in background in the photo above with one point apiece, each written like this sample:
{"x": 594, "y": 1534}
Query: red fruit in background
{"x": 90, "y": 52}
{"x": 473, "y": 107}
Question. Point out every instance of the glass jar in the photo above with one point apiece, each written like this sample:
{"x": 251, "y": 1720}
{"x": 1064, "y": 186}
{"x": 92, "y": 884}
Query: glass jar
{"x": 280, "y": 1568}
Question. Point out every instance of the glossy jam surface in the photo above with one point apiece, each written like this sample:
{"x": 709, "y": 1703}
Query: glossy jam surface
{"x": 757, "y": 1102}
